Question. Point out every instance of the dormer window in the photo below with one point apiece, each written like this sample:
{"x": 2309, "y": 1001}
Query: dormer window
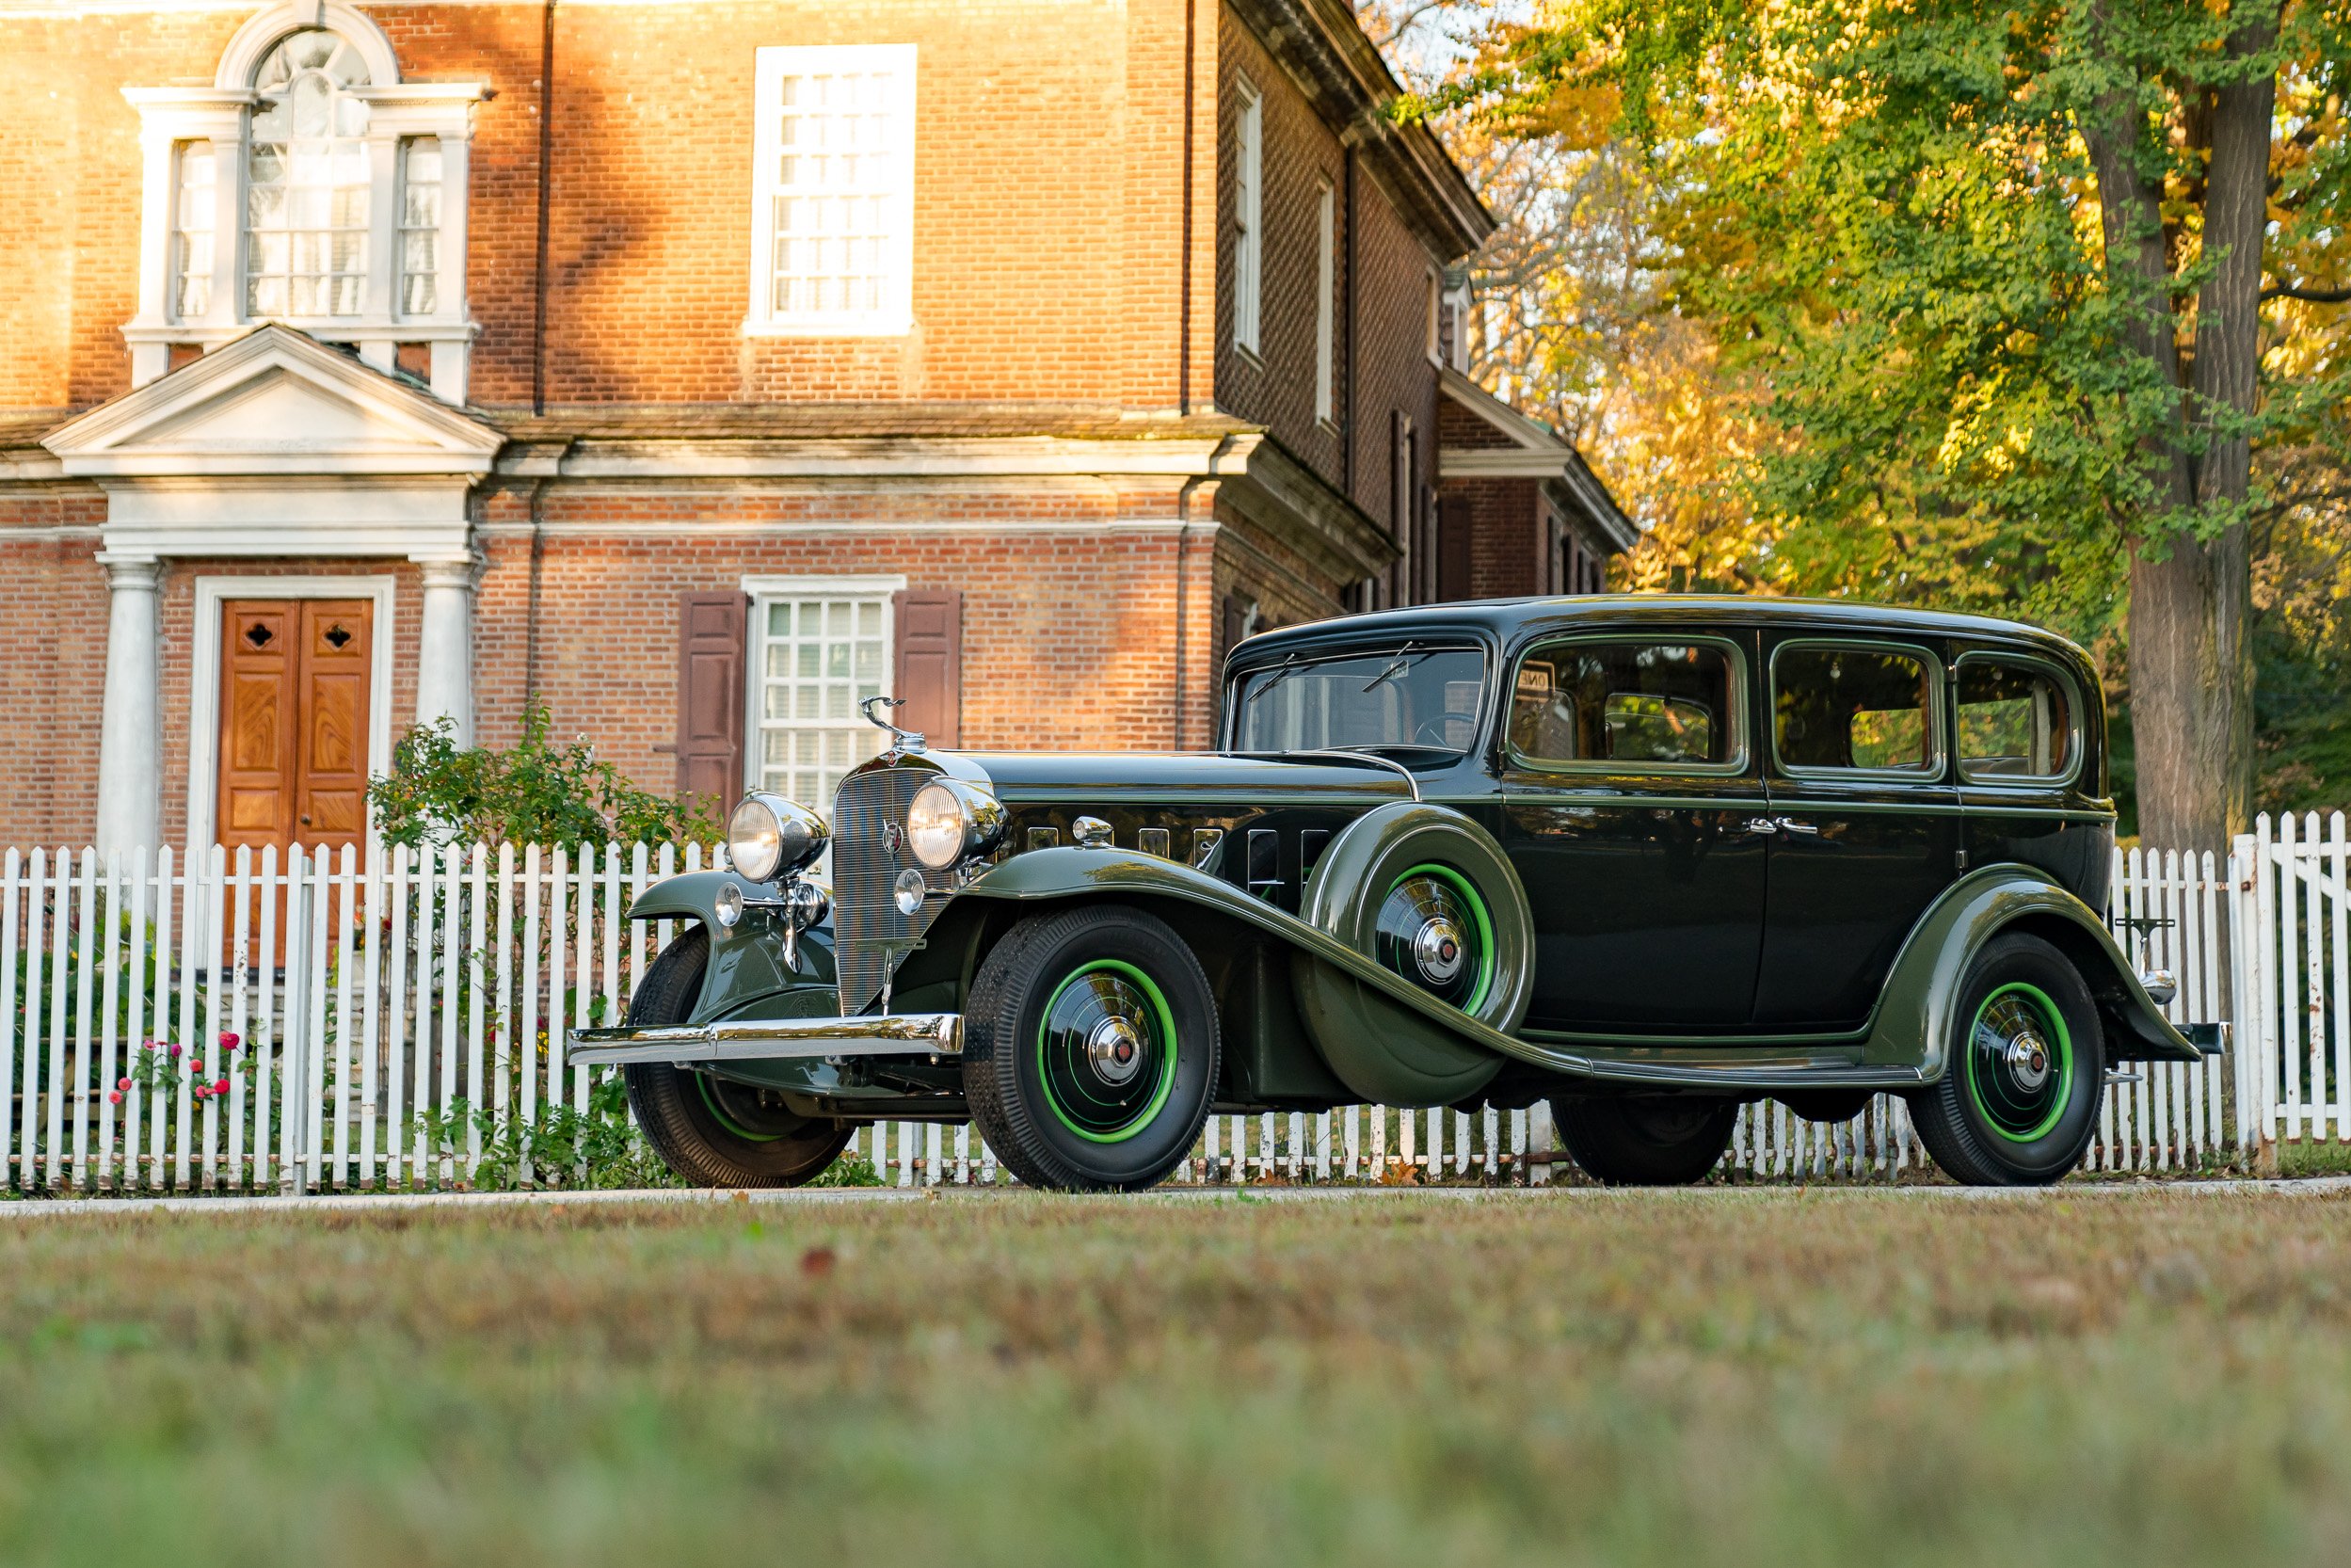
{"x": 310, "y": 186}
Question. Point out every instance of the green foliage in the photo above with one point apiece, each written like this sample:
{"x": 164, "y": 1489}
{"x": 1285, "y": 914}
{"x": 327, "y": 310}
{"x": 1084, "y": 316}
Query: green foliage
{"x": 850, "y": 1170}
{"x": 538, "y": 793}
{"x": 597, "y": 1150}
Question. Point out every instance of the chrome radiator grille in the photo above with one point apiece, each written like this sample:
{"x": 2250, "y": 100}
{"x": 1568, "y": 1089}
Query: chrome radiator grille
{"x": 870, "y": 936}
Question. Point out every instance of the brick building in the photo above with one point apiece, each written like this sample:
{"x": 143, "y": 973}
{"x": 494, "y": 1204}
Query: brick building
{"x": 697, "y": 367}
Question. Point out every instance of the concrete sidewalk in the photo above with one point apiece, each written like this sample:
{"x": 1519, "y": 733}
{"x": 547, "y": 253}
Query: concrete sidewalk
{"x": 354, "y": 1201}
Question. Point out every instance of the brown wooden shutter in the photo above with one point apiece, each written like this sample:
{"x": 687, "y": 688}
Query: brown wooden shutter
{"x": 930, "y": 662}
{"x": 1454, "y": 534}
{"x": 710, "y": 647}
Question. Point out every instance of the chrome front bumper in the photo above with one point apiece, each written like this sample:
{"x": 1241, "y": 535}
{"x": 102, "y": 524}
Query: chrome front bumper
{"x": 772, "y": 1039}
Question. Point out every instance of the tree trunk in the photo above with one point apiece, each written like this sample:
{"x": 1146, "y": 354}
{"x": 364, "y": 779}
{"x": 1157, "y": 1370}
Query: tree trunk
{"x": 2190, "y": 666}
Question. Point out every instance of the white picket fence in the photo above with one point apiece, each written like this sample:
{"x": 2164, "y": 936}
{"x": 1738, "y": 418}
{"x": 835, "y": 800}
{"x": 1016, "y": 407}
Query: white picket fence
{"x": 399, "y": 1019}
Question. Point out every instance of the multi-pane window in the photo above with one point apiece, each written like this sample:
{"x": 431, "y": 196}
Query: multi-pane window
{"x": 834, "y": 224}
{"x": 306, "y": 174}
{"x": 419, "y": 224}
{"x": 1325, "y": 301}
{"x": 819, "y": 656}
{"x": 194, "y": 184}
{"x": 1248, "y": 218}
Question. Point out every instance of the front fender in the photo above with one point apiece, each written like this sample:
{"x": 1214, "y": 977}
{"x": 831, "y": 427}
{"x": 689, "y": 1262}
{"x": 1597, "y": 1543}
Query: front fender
{"x": 1428, "y": 1053}
{"x": 1915, "y": 1019}
{"x": 747, "y": 971}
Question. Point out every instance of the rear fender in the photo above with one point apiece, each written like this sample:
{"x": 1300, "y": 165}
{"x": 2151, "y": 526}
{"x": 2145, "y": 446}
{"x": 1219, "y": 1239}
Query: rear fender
{"x": 1915, "y": 1020}
{"x": 747, "y": 971}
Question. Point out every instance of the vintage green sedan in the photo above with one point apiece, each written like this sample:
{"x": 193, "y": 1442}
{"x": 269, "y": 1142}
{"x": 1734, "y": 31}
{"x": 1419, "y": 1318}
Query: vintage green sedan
{"x": 1648, "y": 858}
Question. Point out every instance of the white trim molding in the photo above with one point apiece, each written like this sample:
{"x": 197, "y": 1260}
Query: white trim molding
{"x": 278, "y": 445}
{"x": 213, "y": 123}
{"x": 203, "y": 724}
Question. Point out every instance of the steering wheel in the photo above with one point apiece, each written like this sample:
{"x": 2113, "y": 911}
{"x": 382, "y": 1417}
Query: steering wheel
{"x": 1434, "y": 721}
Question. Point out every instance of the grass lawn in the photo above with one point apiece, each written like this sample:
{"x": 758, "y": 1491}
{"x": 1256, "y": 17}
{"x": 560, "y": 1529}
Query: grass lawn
{"x": 1724, "y": 1377}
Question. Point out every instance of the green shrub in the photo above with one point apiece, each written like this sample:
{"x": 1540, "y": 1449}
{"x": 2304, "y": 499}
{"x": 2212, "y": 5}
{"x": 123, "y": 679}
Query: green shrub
{"x": 439, "y": 791}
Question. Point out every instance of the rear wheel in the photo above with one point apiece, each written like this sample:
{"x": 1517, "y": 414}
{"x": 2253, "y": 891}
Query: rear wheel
{"x": 1089, "y": 1049}
{"x": 1646, "y": 1140}
{"x": 2017, "y": 1098}
{"x": 714, "y": 1131}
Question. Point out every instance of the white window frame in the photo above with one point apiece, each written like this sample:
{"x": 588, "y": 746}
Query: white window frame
{"x": 1325, "y": 303}
{"x": 1248, "y": 217}
{"x": 172, "y": 117}
{"x": 1434, "y": 289}
{"x": 765, "y": 591}
{"x": 895, "y": 317}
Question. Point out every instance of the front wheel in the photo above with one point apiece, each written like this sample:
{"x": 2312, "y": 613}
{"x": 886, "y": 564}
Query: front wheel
{"x": 1090, "y": 1049}
{"x": 714, "y": 1131}
{"x": 2017, "y": 1098}
{"x": 1647, "y": 1140}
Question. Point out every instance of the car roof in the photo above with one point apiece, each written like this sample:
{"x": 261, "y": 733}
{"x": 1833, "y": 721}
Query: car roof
{"x": 1504, "y": 618}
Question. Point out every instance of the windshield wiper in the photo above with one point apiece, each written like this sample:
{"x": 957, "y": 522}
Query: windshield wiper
{"x": 1397, "y": 666}
{"x": 1280, "y": 673}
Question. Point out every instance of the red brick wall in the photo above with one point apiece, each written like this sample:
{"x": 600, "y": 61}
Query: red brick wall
{"x": 1394, "y": 373}
{"x": 1047, "y": 204}
{"x": 53, "y": 659}
{"x": 1275, "y": 386}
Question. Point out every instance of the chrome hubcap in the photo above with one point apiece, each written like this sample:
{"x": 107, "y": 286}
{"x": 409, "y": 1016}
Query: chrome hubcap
{"x": 1437, "y": 949}
{"x": 2026, "y": 1057}
{"x": 1114, "y": 1050}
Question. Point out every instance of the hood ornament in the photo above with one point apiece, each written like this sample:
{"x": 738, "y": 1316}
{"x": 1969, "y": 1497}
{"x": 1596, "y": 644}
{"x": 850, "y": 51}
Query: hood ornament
{"x": 900, "y": 739}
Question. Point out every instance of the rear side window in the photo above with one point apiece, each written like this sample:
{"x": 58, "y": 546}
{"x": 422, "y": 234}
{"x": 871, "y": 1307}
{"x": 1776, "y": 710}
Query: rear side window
{"x": 1634, "y": 706}
{"x": 1853, "y": 708}
{"x": 2017, "y": 721}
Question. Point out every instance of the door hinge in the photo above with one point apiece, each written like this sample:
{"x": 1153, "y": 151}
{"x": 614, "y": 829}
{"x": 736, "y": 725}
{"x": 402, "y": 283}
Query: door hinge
{"x": 1959, "y": 858}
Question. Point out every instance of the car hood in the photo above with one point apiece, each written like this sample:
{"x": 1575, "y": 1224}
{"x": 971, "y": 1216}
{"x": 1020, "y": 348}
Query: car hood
{"x": 1200, "y": 777}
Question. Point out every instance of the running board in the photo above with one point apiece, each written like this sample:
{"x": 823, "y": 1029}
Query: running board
{"x": 771, "y": 1040}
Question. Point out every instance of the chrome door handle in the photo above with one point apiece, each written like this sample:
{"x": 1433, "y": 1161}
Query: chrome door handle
{"x": 1789, "y": 825}
{"x": 1762, "y": 826}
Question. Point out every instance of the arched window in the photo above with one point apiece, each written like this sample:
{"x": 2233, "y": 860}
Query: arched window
{"x": 307, "y": 184}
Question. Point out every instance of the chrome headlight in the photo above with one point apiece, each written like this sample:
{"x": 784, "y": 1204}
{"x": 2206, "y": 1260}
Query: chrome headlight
{"x": 770, "y": 837}
{"x": 950, "y": 822}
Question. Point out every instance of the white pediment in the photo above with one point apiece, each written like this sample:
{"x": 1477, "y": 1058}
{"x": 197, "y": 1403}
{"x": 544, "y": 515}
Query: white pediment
{"x": 275, "y": 403}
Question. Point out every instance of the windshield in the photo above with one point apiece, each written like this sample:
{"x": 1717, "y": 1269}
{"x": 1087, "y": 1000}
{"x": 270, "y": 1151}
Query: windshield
{"x": 1407, "y": 697}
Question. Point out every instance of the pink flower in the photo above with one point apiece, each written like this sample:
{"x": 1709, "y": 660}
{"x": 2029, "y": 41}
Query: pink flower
{"x": 175, "y": 1050}
{"x": 199, "y": 1093}
{"x": 114, "y": 1097}
{"x": 230, "y": 1042}
{"x": 123, "y": 1083}
{"x": 222, "y": 1087}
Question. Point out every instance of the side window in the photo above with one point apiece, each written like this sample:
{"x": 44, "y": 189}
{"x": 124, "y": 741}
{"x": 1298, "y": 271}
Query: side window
{"x": 1627, "y": 705}
{"x": 2016, "y": 722}
{"x": 1857, "y": 709}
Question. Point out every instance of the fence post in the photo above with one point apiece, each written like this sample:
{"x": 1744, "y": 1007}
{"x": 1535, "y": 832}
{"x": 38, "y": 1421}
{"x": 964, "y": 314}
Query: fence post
{"x": 294, "y": 1072}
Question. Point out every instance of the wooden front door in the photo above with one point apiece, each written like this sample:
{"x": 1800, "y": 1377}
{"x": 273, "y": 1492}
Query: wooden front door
{"x": 293, "y": 718}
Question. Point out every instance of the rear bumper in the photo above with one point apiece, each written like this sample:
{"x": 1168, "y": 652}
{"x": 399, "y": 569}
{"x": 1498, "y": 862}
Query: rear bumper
{"x": 772, "y": 1040}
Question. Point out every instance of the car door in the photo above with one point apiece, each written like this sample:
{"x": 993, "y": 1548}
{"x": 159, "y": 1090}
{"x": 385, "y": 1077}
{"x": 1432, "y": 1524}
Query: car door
{"x": 1865, "y": 821}
{"x": 1628, "y": 781}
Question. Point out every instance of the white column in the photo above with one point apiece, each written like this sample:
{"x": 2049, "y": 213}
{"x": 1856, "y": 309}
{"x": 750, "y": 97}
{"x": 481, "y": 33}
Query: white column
{"x": 130, "y": 748}
{"x": 445, "y": 662}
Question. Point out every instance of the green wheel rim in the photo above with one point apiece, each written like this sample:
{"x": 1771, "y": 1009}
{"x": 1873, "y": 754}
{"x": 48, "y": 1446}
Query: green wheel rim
{"x": 1454, "y": 882}
{"x": 1083, "y": 1101}
{"x": 2016, "y": 1102}
{"x": 718, "y": 1111}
